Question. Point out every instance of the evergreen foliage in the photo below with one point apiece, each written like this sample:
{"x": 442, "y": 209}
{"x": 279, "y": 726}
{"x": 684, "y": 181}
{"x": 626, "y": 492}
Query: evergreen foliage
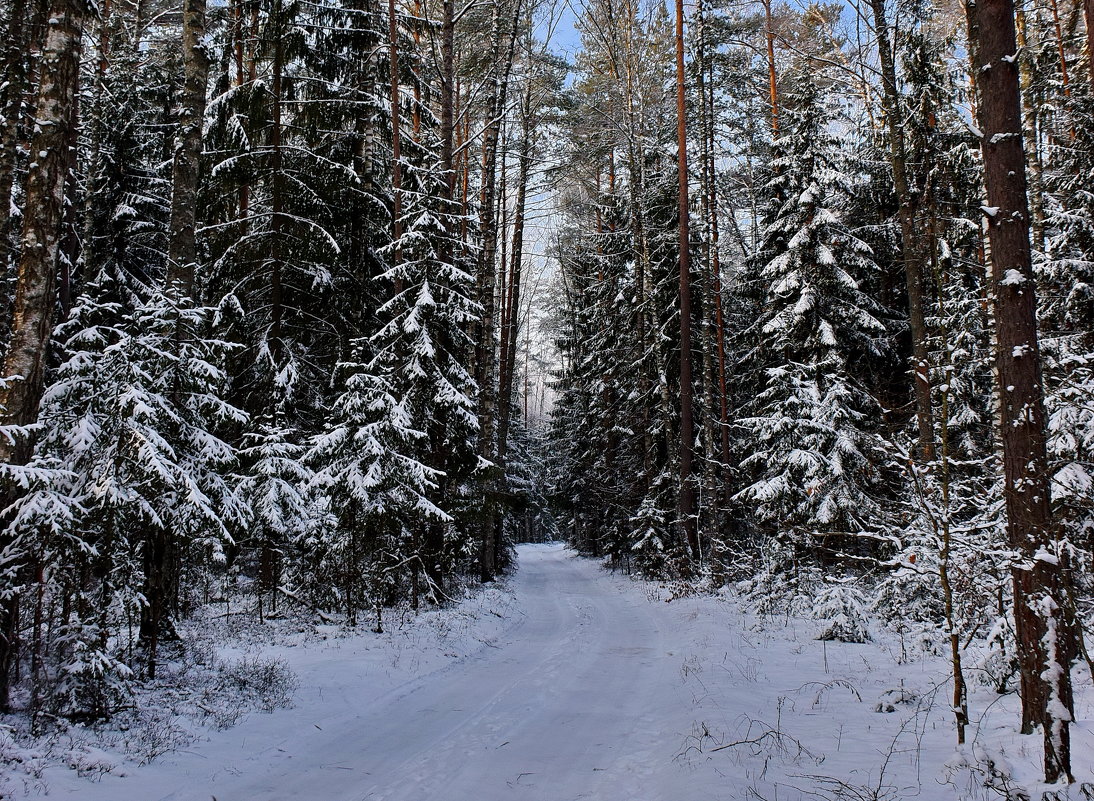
{"x": 339, "y": 416}
{"x": 811, "y": 466}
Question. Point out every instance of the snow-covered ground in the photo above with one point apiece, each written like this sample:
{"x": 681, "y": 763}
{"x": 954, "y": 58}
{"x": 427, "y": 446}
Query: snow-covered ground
{"x": 573, "y": 683}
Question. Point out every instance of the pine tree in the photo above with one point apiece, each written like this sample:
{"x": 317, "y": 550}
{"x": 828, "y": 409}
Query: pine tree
{"x": 1045, "y": 637}
{"x": 424, "y": 340}
{"x": 132, "y": 418}
{"x": 812, "y": 444}
{"x": 376, "y": 490}
{"x": 276, "y": 489}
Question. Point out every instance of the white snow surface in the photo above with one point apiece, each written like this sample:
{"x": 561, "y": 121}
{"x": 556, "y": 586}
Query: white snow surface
{"x": 574, "y": 683}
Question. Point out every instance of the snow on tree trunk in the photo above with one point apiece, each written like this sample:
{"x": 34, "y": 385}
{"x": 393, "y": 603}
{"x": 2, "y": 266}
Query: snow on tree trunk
{"x": 11, "y": 103}
{"x": 23, "y": 376}
{"x": 486, "y": 357}
{"x": 912, "y": 244}
{"x": 186, "y": 169}
{"x": 1045, "y": 637}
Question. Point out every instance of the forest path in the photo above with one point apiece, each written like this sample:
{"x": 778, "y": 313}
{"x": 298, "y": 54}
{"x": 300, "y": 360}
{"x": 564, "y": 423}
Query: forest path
{"x": 561, "y": 707}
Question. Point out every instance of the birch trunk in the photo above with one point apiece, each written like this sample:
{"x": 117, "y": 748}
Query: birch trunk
{"x": 186, "y": 166}
{"x": 35, "y": 292}
{"x": 11, "y": 104}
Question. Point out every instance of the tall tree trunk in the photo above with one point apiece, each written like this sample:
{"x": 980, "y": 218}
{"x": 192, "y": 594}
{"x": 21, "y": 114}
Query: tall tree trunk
{"x": 512, "y": 303}
{"x": 251, "y": 59}
{"x": 448, "y": 93}
{"x": 486, "y": 354}
{"x": 1031, "y": 121}
{"x": 186, "y": 167}
{"x": 11, "y": 106}
{"x": 1088, "y": 16}
{"x": 1065, "y": 78}
{"x": 99, "y": 101}
{"x": 238, "y": 49}
{"x": 501, "y": 205}
{"x": 396, "y": 139}
{"x": 1039, "y": 602}
{"x": 69, "y": 250}
{"x": 688, "y": 522}
{"x": 24, "y": 364}
{"x": 772, "y": 75}
{"x": 277, "y": 186}
{"x": 417, "y": 113}
{"x": 716, "y": 271}
{"x": 910, "y": 239}
{"x": 22, "y": 384}
{"x": 465, "y": 174}
{"x": 711, "y": 471}
{"x": 397, "y": 224}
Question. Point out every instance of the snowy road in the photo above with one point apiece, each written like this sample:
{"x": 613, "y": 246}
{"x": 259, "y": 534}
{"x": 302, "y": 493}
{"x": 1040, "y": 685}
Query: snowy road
{"x": 586, "y": 685}
{"x": 560, "y": 708}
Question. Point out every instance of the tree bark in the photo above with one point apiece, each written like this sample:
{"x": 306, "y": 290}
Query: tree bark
{"x": 277, "y": 217}
{"x": 1039, "y": 604}
{"x": 486, "y": 354}
{"x": 46, "y": 177}
{"x": 911, "y": 246}
{"x": 11, "y": 105}
{"x": 772, "y": 75}
{"x": 448, "y": 91}
{"x": 245, "y": 33}
{"x": 35, "y": 300}
{"x": 186, "y": 167}
{"x": 1088, "y": 15}
{"x": 396, "y": 140}
{"x": 465, "y": 172}
{"x": 1065, "y": 78}
{"x": 688, "y": 522}
{"x": 1031, "y": 120}
{"x": 512, "y": 304}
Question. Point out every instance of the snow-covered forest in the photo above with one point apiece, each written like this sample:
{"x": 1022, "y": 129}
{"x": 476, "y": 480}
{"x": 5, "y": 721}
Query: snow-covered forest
{"x": 313, "y": 310}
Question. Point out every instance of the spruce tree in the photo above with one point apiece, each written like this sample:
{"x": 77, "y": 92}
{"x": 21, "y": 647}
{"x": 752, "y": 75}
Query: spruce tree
{"x": 812, "y": 440}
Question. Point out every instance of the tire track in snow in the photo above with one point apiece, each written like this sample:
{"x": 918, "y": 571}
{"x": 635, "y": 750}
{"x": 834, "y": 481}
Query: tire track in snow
{"x": 558, "y": 709}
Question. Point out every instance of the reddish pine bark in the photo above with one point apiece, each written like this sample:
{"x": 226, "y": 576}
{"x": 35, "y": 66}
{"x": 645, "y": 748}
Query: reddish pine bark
{"x": 1039, "y": 602}
{"x": 688, "y": 521}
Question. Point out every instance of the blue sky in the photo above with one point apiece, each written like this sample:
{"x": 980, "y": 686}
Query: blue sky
{"x": 565, "y": 40}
